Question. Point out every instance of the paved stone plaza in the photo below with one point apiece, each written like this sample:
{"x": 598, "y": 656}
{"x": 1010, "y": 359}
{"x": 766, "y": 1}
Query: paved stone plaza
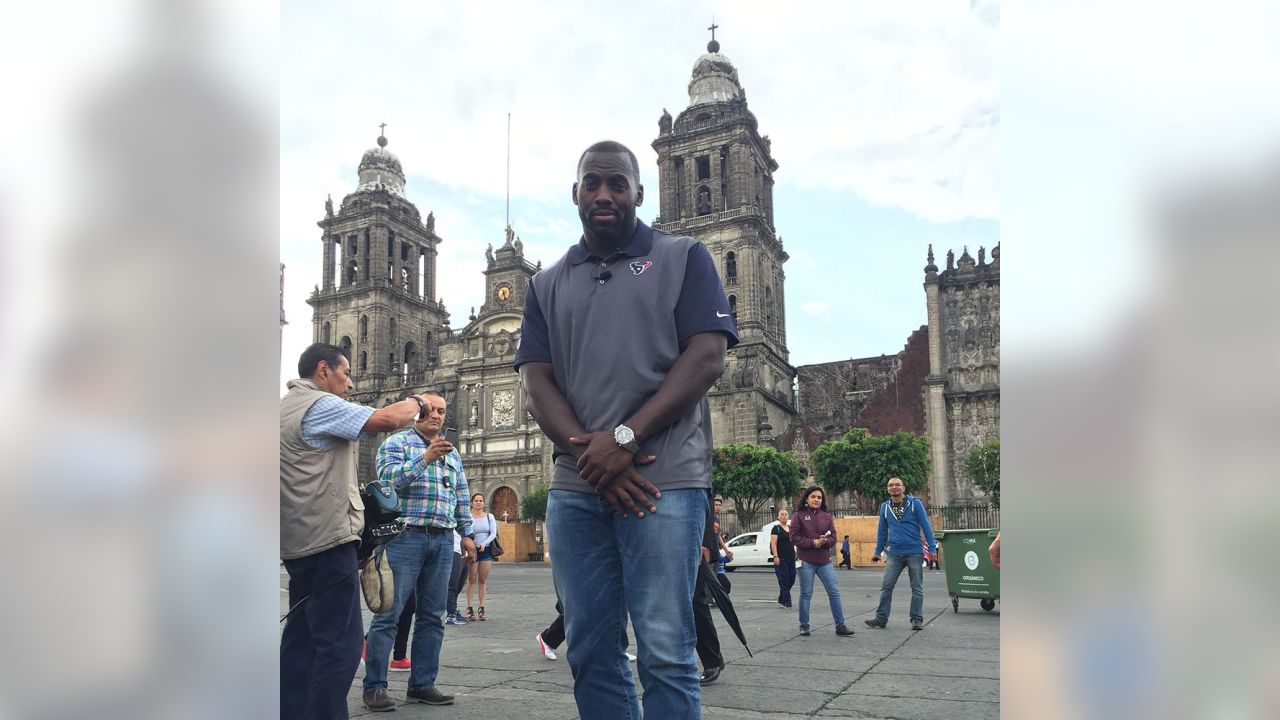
{"x": 948, "y": 671}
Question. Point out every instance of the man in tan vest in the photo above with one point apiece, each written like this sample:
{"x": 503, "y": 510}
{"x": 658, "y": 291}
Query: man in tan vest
{"x": 321, "y": 516}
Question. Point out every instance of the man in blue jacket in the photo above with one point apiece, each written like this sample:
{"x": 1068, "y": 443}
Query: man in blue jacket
{"x": 902, "y": 521}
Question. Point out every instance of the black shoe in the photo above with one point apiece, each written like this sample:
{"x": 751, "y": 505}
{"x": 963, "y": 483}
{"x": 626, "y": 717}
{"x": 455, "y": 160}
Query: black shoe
{"x": 710, "y": 675}
{"x": 378, "y": 700}
{"x": 804, "y": 630}
{"x": 874, "y": 623}
{"x": 430, "y": 696}
{"x": 916, "y": 625}
{"x": 843, "y": 631}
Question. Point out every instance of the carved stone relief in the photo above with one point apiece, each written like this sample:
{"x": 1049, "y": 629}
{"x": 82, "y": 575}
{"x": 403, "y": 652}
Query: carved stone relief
{"x": 504, "y": 408}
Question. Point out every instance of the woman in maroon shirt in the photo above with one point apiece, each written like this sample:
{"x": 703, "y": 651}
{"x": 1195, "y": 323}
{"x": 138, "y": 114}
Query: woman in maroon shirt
{"x": 813, "y": 532}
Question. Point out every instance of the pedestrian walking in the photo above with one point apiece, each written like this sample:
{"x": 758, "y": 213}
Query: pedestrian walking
{"x": 708, "y": 641}
{"x": 400, "y": 650}
{"x": 784, "y": 557}
{"x": 550, "y": 639}
{"x": 903, "y": 520}
{"x": 620, "y": 341}
{"x": 321, "y": 518}
{"x": 846, "y": 560}
{"x": 486, "y": 529}
{"x": 812, "y": 532}
{"x": 457, "y": 580}
{"x": 721, "y": 560}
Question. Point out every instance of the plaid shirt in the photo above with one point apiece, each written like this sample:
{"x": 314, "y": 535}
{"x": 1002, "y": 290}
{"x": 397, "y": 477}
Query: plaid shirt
{"x": 433, "y": 494}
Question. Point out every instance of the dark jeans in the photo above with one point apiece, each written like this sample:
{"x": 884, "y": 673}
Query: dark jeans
{"x": 320, "y": 647}
{"x": 457, "y": 581}
{"x": 785, "y": 571}
{"x": 401, "y": 648}
{"x": 847, "y": 560}
{"x": 554, "y": 634}
{"x": 708, "y": 645}
{"x": 723, "y": 578}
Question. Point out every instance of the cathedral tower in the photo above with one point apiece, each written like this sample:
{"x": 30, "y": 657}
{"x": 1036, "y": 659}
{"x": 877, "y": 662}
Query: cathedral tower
{"x": 377, "y": 297}
{"x": 715, "y": 176}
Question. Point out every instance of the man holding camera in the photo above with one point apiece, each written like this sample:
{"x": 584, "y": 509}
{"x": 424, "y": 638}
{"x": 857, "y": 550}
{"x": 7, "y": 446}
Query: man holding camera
{"x": 427, "y": 474}
{"x": 321, "y": 517}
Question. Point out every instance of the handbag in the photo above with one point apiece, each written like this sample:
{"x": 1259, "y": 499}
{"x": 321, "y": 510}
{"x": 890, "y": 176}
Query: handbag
{"x": 377, "y": 582}
{"x": 495, "y": 547}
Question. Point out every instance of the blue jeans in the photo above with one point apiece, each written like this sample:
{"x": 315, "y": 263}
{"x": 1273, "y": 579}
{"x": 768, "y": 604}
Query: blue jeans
{"x": 827, "y": 574}
{"x": 893, "y": 565}
{"x": 419, "y": 563}
{"x": 605, "y": 565}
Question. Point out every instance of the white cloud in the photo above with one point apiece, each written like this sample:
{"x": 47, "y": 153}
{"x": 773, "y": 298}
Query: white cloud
{"x": 897, "y": 103}
{"x": 820, "y": 308}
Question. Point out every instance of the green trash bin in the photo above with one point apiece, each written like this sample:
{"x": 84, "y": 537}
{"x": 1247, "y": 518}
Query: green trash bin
{"x": 967, "y": 564}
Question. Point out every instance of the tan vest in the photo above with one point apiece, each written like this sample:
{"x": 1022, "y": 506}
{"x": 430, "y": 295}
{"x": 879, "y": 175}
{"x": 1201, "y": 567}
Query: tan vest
{"x": 320, "y": 506}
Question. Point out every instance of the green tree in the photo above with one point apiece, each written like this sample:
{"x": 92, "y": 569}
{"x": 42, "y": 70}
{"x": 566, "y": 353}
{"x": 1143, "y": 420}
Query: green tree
{"x": 863, "y": 463}
{"x": 751, "y": 476}
{"x": 534, "y": 505}
{"x": 983, "y": 465}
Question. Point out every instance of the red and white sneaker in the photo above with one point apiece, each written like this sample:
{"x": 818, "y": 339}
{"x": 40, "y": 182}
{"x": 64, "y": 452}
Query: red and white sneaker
{"x": 401, "y": 664}
{"x": 547, "y": 652}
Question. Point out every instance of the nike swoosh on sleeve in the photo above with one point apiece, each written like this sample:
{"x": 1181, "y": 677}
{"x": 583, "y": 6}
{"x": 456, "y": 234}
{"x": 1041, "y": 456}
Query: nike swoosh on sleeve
{"x": 720, "y": 314}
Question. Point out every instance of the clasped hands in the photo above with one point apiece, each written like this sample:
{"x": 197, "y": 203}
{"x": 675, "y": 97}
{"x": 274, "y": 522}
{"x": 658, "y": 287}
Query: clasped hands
{"x": 610, "y": 469}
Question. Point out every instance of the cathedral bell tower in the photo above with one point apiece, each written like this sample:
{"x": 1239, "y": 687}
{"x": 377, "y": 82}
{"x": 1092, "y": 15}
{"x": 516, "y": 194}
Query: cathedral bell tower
{"x": 715, "y": 176}
{"x": 377, "y": 297}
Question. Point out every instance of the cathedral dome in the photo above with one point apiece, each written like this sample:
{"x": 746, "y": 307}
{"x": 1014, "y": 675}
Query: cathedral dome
{"x": 380, "y": 170}
{"x": 715, "y": 79}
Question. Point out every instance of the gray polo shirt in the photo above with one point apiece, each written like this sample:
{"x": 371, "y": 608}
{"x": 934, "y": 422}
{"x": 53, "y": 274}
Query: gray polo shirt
{"x": 611, "y": 339}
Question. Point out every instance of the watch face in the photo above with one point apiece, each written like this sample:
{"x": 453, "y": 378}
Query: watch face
{"x": 623, "y": 435}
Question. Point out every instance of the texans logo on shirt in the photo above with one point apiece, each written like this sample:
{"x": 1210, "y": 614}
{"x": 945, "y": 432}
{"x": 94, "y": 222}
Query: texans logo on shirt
{"x": 638, "y": 267}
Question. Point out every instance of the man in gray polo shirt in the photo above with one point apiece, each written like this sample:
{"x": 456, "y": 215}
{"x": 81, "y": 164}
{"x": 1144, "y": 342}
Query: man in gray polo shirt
{"x": 621, "y": 339}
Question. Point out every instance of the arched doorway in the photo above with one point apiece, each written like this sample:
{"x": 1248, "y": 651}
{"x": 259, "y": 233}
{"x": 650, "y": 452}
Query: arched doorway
{"x": 504, "y": 500}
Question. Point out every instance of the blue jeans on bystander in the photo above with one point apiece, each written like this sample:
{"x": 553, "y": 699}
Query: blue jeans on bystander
{"x": 893, "y": 565}
{"x": 422, "y": 563}
{"x": 827, "y": 574}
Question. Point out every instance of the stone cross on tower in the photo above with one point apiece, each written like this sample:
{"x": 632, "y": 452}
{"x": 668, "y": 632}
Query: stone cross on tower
{"x": 713, "y": 28}
{"x": 382, "y": 129}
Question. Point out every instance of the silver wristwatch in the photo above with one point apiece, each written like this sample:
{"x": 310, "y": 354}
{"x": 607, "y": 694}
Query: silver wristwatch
{"x": 626, "y": 439}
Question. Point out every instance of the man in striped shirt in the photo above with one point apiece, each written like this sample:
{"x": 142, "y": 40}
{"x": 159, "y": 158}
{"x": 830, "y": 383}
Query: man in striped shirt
{"x": 427, "y": 474}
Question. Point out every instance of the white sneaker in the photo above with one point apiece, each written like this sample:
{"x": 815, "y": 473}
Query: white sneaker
{"x": 630, "y": 657}
{"x": 547, "y": 652}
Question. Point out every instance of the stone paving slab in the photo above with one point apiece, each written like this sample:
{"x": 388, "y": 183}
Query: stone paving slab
{"x": 949, "y": 671}
{"x": 907, "y": 708}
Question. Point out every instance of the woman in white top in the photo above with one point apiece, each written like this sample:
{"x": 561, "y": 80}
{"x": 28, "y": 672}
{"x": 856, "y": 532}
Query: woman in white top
{"x": 485, "y": 528}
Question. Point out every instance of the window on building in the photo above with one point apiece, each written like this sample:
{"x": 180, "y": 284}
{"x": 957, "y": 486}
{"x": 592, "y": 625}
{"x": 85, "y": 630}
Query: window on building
{"x": 731, "y": 267}
{"x": 364, "y": 328}
{"x": 364, "y": 361}
{"x": 704, "y": 168}
{"x": 733, "y": 307}
{"x": 681, "y": 185}
{"x": 327, "y": 330}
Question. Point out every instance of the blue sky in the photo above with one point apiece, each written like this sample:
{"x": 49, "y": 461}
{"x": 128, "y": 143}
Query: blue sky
{"x": 884, "y": 120}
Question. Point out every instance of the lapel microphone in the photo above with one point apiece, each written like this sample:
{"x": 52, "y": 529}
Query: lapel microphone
{"x": 601, "y": 274}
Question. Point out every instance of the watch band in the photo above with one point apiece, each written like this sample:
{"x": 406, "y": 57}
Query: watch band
{"x": 422, "y": 407}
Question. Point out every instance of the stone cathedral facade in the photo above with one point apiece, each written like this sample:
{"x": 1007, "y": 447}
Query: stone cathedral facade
{"x": 962, "y": 391}
{"x": 715, "y": 174}
{"x": 377, "y": 299}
